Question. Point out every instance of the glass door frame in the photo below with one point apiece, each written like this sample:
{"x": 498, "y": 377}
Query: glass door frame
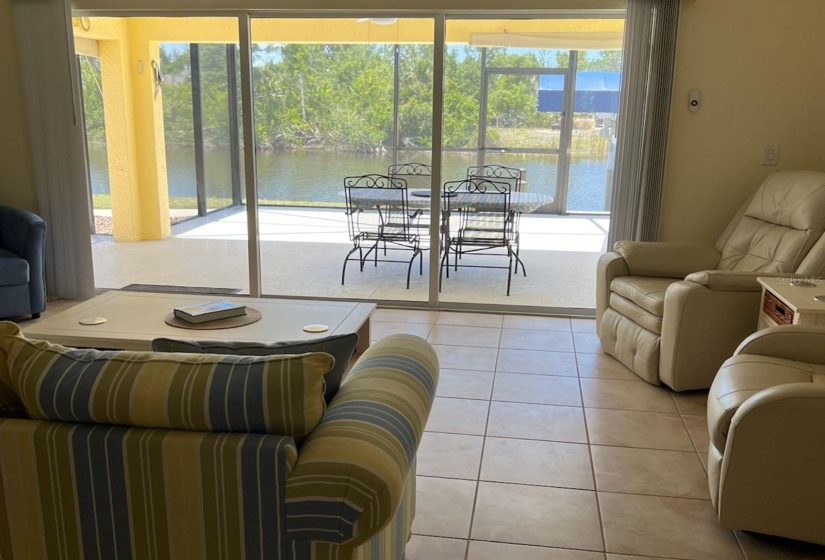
{"x": 565, "y": 134}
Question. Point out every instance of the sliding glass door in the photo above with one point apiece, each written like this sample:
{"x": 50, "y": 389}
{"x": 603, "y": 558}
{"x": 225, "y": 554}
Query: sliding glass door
{"x": 345, "y": 95}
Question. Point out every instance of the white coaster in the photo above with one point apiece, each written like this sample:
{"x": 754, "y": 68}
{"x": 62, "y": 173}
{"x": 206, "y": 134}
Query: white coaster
{"x": 93, "y": 321}
{"x": 819, "y": 298}
{"x": 316, "y": 328}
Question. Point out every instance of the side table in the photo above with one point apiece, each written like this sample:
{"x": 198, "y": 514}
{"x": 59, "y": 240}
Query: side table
{"x": 786, "y": 301}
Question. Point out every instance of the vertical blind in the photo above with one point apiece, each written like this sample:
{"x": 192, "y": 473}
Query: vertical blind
{"x": 644, "y": 108}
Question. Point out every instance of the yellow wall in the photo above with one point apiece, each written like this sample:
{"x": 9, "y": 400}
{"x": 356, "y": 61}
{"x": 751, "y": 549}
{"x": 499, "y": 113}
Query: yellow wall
{"x": 759, "y": 67}
{"x": 16, "y": 175}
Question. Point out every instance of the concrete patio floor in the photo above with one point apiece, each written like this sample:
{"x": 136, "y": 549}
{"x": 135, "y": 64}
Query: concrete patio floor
{"x": 303, "y": 250}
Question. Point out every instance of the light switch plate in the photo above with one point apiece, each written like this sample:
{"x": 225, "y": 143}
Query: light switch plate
{"x": 770, "y": 155}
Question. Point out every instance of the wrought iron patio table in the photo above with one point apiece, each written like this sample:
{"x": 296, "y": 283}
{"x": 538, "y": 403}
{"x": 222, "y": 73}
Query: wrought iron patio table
{"x": 520, "y": 202}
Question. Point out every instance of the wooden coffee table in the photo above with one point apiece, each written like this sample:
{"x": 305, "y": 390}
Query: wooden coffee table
{"x": 134, "y": 319}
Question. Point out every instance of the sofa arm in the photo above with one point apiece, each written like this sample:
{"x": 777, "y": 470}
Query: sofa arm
{"x": 352, "y": 469}
{"x": 666, "y": 260}
{"x": 788, "y": 342}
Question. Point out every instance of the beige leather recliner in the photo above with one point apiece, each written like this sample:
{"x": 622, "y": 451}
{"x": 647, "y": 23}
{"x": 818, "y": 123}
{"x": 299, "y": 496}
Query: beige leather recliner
{"x": 672, "y": 313}
{"x": 766, "y": 419}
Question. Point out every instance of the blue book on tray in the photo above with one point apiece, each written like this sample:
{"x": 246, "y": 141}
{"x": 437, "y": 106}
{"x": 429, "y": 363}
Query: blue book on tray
{"x": 210, "y": 311}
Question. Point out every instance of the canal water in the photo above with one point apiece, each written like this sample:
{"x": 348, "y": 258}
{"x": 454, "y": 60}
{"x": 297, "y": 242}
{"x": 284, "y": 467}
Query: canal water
{"x": 316, "y": 177}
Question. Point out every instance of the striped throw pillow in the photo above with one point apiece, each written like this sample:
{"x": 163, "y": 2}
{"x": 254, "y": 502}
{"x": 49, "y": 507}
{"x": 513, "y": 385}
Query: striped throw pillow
{"x": 281, "y": 395}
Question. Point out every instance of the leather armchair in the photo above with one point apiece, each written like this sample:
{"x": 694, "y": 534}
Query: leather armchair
{"x": 766, "y": 419}
{"x": 22, "y": 268}
{"x": 672, "y": 313}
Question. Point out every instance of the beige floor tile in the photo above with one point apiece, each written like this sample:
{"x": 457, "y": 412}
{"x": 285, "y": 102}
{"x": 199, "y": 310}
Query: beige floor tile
{"x": 697, "y": 427}
{"x": 443, "y": 507}
{"x": 430, "y": 548}
{"x": 380, "y": 329}
{"x": 626, "y": 395}
{"x": 691, "y": 402}
{"x": 632, "y": 557}
{"x": 465, "y": 384}
{"x": 537, "y": 323}
{"x": 464, "y": 336}
{"x": 543, "y": 463}
{"x": 704, "y": 458}
{"x": 449, "y": 455}
{"x": 626, "y": 428}
{"x": 470, "y": 319}
{"x": 603, "y": 366}
{"x": 668, "y": 527}
{"x": 480, "y": 550}
{"x": 766, "y": 547}
{"x": 526, "y": 339}
{"x": 537, "y": 361}
{"x": 458, "y": 416}
{"x": 537, "y": 389}
{"x": 466, "y": 357}
{"x": 587, "y": 343}
{"x": 405, "y": 315}
{"x": 679, "y": 474}
{"x": 583, "y": 325}
{"x": 558, "y": 517}
{"x": 536, "y": 421}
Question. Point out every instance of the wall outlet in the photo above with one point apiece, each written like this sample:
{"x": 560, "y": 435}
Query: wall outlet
{"x": 770, "y": 155}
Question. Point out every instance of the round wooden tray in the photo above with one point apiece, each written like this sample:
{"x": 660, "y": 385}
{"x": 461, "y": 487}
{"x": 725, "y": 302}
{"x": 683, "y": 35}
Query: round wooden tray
{"x": 252, "y": 316}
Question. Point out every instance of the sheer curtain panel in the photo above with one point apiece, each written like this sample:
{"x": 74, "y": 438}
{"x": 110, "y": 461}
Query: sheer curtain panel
{"x": 51, "y": 87}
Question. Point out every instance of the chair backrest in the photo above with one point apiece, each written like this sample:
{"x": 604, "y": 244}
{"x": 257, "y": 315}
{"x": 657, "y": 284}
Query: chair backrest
{"x": 483, "y": 209}
{"x": 378, "y": 207}
{"x": 417, "y": 175}
{"x": 499, "y": 173}
{"x": 780, "y": 224}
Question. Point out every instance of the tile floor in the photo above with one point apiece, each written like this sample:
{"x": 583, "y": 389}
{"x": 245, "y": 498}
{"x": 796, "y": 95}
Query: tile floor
{"x": 541, "y": 447}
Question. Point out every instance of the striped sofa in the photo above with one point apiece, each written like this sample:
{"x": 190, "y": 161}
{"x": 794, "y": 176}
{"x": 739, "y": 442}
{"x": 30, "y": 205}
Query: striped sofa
{"x": 141, "y": 455}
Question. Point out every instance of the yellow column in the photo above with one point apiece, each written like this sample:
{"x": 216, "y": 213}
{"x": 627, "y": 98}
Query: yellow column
{"x": 150, "y": 142}
{"x": 134, "y": 136}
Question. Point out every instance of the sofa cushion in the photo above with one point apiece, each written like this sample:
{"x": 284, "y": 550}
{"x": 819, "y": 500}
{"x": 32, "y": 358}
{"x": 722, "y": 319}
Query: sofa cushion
{"x": 203, "y": 392}
{"x": 647, "y": 293}
{"x": 646, "y": 319}
{"x": 340, "y": 347}
{"x": 13, "y": 269}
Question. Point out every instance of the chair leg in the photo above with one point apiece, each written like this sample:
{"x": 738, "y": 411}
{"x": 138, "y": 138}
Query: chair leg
{"x": 35, "y": 315}
{"x": 416, "y": 252}
{"x": 346, "y": 260}
{"x": 509, "y": 271}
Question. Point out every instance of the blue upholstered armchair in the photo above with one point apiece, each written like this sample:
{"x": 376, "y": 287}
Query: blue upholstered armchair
{"x": 22, "y": 276}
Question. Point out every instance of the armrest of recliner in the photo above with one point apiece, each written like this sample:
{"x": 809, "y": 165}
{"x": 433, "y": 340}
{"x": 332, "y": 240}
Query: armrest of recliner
{"x": 352, "y": 469}
{"x": 741, "y": 378}
{"x": 610, "y": 266}
{"x": 788, "y": 342}
{"x": 666, "y": 260}
{"x": 730, "y": 280}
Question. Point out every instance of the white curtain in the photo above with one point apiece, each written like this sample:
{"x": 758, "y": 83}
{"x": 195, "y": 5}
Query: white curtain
{"x": 53, "y": 108}
{"x": 644, "y": 109}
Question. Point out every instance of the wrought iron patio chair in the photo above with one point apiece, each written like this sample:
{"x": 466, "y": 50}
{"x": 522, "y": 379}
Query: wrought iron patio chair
{"x": 478, "y": 219}
{"x": 515, "y": 177}
{"x": 418, "y": 177}
{"x": 378, "y": 213}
